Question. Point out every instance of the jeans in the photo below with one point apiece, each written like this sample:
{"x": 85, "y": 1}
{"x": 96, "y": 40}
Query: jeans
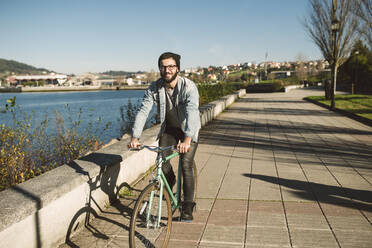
{"x": 171, "y": 136}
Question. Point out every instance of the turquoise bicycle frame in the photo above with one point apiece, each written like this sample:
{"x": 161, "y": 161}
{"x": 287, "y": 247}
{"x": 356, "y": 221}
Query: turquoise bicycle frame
{"x": 163, "y": 181}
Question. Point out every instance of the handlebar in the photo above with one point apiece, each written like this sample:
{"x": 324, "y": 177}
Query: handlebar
{"x": 157, "y": 149}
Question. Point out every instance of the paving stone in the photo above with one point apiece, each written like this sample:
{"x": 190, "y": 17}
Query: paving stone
{"x": 118, "y": 242}
{"x": 221, "y": 233}
{"x": 200, "y": 216}
{"x": 264, "y": 191}
{"x": 354, "y": 238}
{"x": 230, "y": 205}
{"x": 182, "y": 244}
{"x": 204, "y": 204}
{"x": 312, "y": 238}
{"x": 227, "y": 218}
{"x": 234, "y": 185}
{"x": 220, "y": 245}
{"x": 258, "y": 236}
{"x": 186, "y": 231}
{"x": 239, "y": 156}
{"x": 305, "y": 215}
{"x": 266, "y": 213}
{"x": 350, "y": 223}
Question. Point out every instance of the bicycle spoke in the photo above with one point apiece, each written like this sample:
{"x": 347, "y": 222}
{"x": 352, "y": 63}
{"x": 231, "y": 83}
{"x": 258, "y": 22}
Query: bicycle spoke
{"x": 144, "y": 228}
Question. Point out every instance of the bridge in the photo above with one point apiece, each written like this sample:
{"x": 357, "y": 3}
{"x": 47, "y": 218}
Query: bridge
{"x": 274, "y": 171}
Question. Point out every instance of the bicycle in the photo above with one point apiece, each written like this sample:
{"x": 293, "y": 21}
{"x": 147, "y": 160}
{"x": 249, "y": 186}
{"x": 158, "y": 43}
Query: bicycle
{"x": 151, "y": 220}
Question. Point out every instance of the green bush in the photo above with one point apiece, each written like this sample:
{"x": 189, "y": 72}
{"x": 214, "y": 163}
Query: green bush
{"x": 27, "y": 150}
{"x": 209, "y": 92}
{"x": 266, "y": 87}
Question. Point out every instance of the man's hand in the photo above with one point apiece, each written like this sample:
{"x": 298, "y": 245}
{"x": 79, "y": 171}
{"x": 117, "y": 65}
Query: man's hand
{"x": 185, "y": 145}
{"x": 134, "y": 143}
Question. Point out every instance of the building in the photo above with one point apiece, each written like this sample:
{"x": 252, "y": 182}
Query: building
{"x": 280, "y": 74}
{"x": 51, "y": 79}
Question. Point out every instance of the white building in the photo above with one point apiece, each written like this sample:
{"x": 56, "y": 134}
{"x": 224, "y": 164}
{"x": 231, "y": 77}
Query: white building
{"x": 49, "y": 79}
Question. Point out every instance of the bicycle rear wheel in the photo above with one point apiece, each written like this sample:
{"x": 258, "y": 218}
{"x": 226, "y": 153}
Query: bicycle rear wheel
{"x": 144, "y": 228}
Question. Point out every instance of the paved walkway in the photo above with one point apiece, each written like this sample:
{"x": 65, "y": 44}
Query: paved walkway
{"x": 274, "y": 171}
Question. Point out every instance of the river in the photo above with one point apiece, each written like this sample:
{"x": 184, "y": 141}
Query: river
{"x": 92, "y": 105}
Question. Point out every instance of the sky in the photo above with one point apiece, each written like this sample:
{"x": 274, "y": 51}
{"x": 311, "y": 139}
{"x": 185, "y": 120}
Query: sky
{"x": 72, "y": 36}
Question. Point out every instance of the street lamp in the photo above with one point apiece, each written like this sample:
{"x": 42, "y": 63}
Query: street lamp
{"x": 335, "y": 27}
{"x": 353, "y": 84}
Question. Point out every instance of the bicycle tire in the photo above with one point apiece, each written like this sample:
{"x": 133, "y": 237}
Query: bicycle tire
{"x": 148, "y": 236}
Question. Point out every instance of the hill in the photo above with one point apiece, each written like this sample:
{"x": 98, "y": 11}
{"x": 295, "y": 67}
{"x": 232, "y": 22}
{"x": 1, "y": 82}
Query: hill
{"x": 120, "y": 73}
{"x": 8, "y": 66}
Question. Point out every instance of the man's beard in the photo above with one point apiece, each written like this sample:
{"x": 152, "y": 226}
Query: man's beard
{"x": 163, "y": 76}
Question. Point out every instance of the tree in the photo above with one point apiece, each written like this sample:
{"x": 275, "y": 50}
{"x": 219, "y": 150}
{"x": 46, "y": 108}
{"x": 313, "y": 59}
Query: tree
{"x": 333, "y": 28}
{"x": 301, "y": 70}
{"x": 356, "y": 72}
{"x": 363, "y": 11}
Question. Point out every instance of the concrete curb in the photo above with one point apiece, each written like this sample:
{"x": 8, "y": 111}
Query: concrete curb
{"x": 42, "y": 209}
{"x": 291, "y": 87}
{"x": 353, "y": 116}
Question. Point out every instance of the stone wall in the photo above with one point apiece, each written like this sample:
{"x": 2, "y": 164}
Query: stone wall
{"x": 39, "y": 212}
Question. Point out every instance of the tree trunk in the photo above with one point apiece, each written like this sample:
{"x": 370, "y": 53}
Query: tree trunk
{"x": 333, "y": 85}
{"x": 327, "y": 89}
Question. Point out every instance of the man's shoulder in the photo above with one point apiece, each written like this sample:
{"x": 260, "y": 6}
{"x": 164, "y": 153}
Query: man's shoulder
{"x": 155, "y": 84}
{"x": 187, "y": 82}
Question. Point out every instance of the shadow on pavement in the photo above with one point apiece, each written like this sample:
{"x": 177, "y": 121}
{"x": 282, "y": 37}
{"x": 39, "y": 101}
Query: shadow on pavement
{"x": 314, "y": 146}
{"x": 120, "y": 198}
{"x": 345, "y": 197}
{"x": 84, "y": 217}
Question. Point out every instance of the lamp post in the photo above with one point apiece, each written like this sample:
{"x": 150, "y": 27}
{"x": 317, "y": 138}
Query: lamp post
{"x": 334, "y": 29}
{"x": 355, "y": 72}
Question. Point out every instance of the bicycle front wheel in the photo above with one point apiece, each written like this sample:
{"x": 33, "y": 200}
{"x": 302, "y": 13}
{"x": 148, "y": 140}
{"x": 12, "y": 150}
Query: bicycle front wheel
{"x": 147, "y": 227}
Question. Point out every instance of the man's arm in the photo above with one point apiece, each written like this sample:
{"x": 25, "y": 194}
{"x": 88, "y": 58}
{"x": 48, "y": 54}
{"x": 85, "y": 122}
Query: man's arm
{"x": 141, "y": 117}
{"x": 192, "y": 111}
{"x": 192, "y": 118}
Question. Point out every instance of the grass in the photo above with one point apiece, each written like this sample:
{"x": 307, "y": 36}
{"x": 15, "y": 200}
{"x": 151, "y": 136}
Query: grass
{"x": 360, "y": 105}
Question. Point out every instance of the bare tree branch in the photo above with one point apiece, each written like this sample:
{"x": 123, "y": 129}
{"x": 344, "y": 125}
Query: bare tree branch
{"x": 319, "y": 27}
{"x": 363, "y": 10}
{"x": 336, "y": 44}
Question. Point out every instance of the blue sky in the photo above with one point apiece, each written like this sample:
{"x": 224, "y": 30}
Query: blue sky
{"x": 72, "y": 36}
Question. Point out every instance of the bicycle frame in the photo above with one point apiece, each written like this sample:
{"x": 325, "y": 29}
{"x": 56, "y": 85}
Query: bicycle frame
{"x": 160, "y": 177}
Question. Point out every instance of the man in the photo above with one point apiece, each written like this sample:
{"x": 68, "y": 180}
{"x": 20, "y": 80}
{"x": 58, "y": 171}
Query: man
{"x": 177, "y": 100}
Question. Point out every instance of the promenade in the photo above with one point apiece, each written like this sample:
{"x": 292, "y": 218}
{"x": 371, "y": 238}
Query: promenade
{"x": 273, "y": 171}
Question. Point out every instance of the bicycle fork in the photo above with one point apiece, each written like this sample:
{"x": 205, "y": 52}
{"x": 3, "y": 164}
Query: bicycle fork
{"x": 161, "y": 185}
{"x": 162, "y": 182}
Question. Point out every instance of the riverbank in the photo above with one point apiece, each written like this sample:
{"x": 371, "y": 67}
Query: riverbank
{"x": 72, "y": 88}
{"x": 30, "y": 208}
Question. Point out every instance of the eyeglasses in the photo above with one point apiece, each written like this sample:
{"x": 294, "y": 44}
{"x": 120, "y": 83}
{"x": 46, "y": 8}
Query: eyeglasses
{"x": 170, "y": 67}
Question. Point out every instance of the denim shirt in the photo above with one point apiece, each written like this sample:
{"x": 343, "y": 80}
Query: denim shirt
{"x": 188, "y": 107}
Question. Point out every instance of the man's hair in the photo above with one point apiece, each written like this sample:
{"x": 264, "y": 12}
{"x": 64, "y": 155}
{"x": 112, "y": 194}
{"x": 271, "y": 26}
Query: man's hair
{"x": 168, "y": 55}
